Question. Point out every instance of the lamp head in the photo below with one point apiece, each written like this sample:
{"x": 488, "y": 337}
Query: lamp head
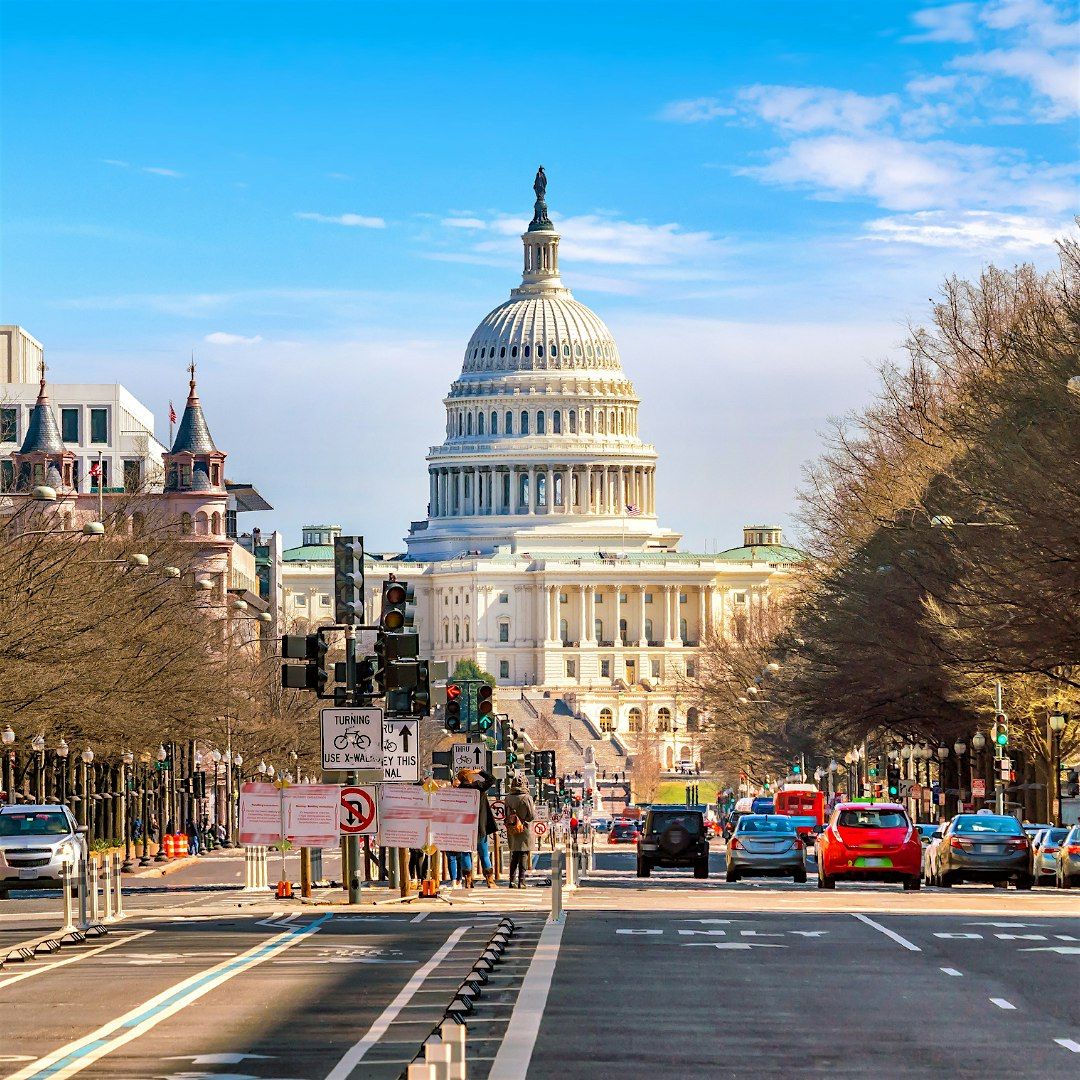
{"x": 87, "y": 755}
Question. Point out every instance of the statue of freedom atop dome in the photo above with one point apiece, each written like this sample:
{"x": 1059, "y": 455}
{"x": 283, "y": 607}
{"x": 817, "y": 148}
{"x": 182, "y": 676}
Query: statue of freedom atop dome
{"x": 540, "y": 213}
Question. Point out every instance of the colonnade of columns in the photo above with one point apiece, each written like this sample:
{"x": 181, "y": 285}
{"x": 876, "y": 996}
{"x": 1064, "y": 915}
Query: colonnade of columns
{"x": 645, "y": 622}
{"x": 481, "y": 490}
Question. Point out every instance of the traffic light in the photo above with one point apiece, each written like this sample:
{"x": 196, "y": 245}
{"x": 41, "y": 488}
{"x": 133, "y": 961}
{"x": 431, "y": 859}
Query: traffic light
{"x": 313, "y": 675}
{"x": 510, "y": 746}
{"x": 796, "y": 769}
{"x": 892, "y": 779}
{"x": 1001, "y": 730}
{"x": 453, "y": 707}
{"x": 529, "y": 765}
{"x": 348, "y": 580}
{"x": 421, "y": 696}
{"x": 397, "y": 606}
{"x": 485, "y": 708}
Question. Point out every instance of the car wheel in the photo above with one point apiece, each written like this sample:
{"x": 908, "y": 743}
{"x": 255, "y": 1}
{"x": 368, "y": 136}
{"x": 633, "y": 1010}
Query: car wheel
{"x": 946, "y": 881}
{"x": 1025, "y": 883}
{"x": 732, "y": 876}
{"x": 799, "y": 877}
{"x": 825, "y": 882}
{"x": 3, "y": 894}
{"x": 701, "y": 868}
{"x": 1065, "y": 882}
{"x": 913, "y": 883}
{"x": 643, "y": 868}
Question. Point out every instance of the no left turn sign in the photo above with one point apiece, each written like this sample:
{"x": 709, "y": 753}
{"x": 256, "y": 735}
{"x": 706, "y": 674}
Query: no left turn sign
{"x": 358, "y": 811}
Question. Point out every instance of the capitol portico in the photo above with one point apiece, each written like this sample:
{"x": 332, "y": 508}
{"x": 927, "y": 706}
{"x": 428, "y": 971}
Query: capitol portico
{"x": 541, "y": 556}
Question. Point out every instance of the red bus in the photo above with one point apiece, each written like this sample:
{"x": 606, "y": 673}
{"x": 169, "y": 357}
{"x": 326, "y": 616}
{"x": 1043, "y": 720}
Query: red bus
{"x": 804, "y": 804}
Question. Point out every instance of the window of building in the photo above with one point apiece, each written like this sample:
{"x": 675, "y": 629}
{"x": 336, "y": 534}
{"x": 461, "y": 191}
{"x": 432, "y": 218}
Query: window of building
{"x": 693, "y": 717}
{"x": 691, "y": 669}
{"x": 563, "y": 598}
{"x": 457, "y": 633}
{"x": 556, "y": 423}
{"x": 739, "y": 597}
{"x": 504, "y": 632}
{"x": 656, "y": 669}
{"x": 230, "y": 523}
{"x": 446, "y": 633}
{"x": 541, "y": 423}
{"x": 202, "y": 523}
{"x": 682, "y": 598}
{"x": 648, "y": 630}
{"x": 494, "y": 423}
{"x": 648, "y": 598}
{"x": 587, "y": 421}
{"x": 634, "y": 720}
{"x": 7, "y": 475}
{"x": 509, "y": 429}
{"x": 300, "y": 600}
{"x": 185, "y": 476}
{"x": 132, "y": 475}
{"x": 457, "y": 599}
{"x": 572, "y": 420}
{"x": 622, "y": 629}
{"x": 504, "y": 598}
{"x": 99, "y": 425}
{"x": 622, "y": 598}
{"x": 480, "y": 424}
{"x": 9, "y": 424}
{"x": 606, "y": 722}
{"x": 524, "y": 430}
{"x": 598, "y": 629}
{"x": 324, "y": 599}
{"x": 459, "y": 423}
{"x": 523, "y": 491}
{"x": 466, "y": 629}
{"x": 571, "y": 669}
{"x": 103, "y": 476}
{"x": 564, "y": 630}
{"x": 504, "y": 669}
{"x": 468, "y": 424}
{"x": 69, "y": 425}
{"x": 605, "y": 669}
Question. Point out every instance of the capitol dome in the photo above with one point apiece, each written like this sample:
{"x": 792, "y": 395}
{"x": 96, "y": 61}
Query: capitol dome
{"x": 541, "y": 443}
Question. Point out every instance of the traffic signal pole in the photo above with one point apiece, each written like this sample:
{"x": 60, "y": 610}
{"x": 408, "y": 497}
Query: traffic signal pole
{"x": 352, "y": 843}
{"x": 999, "y": 753}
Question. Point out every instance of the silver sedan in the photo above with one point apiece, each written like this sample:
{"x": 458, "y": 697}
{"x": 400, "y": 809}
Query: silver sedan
{"x": 766, "y": 844}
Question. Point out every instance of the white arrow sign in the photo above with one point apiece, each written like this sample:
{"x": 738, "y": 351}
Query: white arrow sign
{"x": 731, "y": 945}
{"x": 468, "y": 756}
{"x": 401, "y": 750}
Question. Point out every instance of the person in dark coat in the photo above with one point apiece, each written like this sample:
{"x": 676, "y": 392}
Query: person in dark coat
{"x": 520, "y": 809}
{"x": 486, "y": 825}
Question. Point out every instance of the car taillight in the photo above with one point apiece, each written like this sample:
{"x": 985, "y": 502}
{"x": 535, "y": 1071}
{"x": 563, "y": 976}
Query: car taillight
{"x": 1018, "y": 845}
{"x": 798, "y": 845}
{"x": 956, "y": 842}
{"x": 1047, "y": 850}
{"x": 1074, "y": 849}
{"x": 733, "y": 844}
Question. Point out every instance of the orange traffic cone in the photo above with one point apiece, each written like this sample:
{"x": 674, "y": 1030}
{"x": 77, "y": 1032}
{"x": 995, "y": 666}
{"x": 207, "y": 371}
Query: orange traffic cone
{"x": 284, "y": 890}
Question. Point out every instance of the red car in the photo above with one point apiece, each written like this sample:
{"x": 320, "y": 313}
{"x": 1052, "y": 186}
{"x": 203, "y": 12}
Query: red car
{"x": 869, "y": 842}
{"x": 624, "y": 832}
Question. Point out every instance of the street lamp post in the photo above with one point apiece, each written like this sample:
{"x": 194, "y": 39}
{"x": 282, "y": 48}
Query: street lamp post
{"x": 978, "y": 742}
{"x": 144, "y": 762}
{"x": 959, "y": 749}
{"x": 1057, "y": 726}
{"x": 85, "y": 759}
{"x": 37, "y": 744}
{"x": 215, "y": 757}
{"x": 162, "y": 756}
{"x": 62, "y": 751}
{"x": 126, "y": 758}
{"x": 7, "y": 740}
{"x": 230, "y": 836}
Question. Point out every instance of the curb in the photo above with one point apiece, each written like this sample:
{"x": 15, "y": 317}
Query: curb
{"x": 165, "y": 868}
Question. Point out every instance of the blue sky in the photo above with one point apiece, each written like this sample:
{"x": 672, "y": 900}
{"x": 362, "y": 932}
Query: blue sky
{"x": 323, "y": 199}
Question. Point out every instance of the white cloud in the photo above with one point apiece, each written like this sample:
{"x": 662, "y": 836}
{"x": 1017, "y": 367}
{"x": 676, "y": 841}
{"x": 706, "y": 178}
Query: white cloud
{"x": 951, "y": 22}
{"x": 115, "y": 163}
{"x": 219, "y": 337}
{"x": 817, "y": 108}
{"x": 158, "y": 170}
{"x": 929, "y": 85}
{"x": 1056, "y": 77}
{"x": 1042, "y": 22}
{"x": 360, "y": 221}
{"x": 975, "y": 230}
{"x": 695, "y": 110}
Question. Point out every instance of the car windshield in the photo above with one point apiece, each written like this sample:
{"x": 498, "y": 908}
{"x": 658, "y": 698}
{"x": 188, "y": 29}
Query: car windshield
{"x": 1054, "y": 836}
{"x": 623, "y": 830}
{"x": 873, "y": 819}
{"x": 979, "y": 824}
{"x": 768, "y": 825}
{"x": 688, "y": 819}
{"x": 762, "y": 806}
{"x": 33, "y": 823}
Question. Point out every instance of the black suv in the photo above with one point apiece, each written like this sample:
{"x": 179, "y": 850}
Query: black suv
{"x": 674, "y": 836}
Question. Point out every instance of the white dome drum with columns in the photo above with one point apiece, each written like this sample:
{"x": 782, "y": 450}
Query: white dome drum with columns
{"x": 542, "y": 446}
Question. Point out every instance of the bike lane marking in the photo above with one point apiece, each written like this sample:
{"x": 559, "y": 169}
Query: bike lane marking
{"x": 79, "y": 1055}
{"x": 910, "y": 946}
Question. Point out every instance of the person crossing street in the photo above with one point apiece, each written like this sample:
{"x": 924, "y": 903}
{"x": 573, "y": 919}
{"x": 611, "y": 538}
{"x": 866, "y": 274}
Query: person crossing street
{"x": 520, "y": 814}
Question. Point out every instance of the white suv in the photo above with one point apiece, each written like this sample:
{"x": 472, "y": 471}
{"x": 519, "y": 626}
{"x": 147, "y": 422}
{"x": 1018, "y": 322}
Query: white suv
{"x": 36, "y": 843}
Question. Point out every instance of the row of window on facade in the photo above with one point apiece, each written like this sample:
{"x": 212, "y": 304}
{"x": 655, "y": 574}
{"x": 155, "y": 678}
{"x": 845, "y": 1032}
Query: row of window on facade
{"x": 601, "y": 349}
{"x": 71, "y": 424}
{"x": 607, "y": 422}
{"x": 132, "y": 475}
{"x": 739, "y": 597}
{"x": 635, "y": 719}
{"x": 564, "y": 630}
{"x": 655, "y": 669}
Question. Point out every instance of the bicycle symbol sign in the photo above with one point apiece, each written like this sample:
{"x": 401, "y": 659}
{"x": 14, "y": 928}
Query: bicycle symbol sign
{"x": 352, "y": 739}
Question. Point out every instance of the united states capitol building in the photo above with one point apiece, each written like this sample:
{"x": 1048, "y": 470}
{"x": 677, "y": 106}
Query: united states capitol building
{"x": 541, "y": 555}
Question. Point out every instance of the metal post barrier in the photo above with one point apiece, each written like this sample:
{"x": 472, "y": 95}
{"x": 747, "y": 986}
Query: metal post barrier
{"x": 454, "y": 1036}
{"x": 118, "y": 907}
{"x": 107, "y": 868}
{"x": 95, "y": 902}
{"x": 264, "y": 867}
{"x": 84, "y": 889}
{"x": 421, "y": 1070}
{"x": 317, "y": 866}
{"x": 440, "y": 1056}
{"x": 69, "y": 915}
{"x": 556, "y": 886}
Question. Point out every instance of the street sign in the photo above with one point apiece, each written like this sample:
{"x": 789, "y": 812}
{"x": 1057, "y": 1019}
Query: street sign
{"x": 468, "y": 756}
{"x": 401, "y": 750}
{"x": 539, "y": 828}
{"x": 352, "y": 739}
{"x": 498, "y": 810}
{"x": 978, "y": 789}
{"x": 358, "y": 817}
{"x": 905, "y": 788}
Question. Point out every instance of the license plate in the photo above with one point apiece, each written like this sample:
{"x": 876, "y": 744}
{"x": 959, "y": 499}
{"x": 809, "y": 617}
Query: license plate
{"x": 26, "y": 873}
{"x": 873, "y": 862}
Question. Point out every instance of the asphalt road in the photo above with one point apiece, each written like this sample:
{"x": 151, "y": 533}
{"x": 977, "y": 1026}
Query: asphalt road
{"x": 669, "y": 977}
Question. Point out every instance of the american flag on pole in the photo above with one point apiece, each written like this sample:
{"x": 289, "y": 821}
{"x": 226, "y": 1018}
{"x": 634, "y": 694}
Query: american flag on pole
{"x": 172, "y": 414}
{"x": 632, "y": 510}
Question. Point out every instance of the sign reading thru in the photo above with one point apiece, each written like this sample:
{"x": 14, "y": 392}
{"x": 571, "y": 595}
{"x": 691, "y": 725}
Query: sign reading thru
{"x": 468, "y": 756}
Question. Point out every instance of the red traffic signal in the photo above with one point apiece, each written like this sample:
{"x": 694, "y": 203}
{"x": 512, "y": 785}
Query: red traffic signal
{"x": 453, "y": 707}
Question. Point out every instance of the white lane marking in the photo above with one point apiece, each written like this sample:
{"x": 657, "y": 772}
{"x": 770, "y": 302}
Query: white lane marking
{"x": 1069, "y": 1044}
{"x": 1001, "y": 1003}
{"x": 354, "y": 1055}
{"x": 887, "y": 932}
{"x": 516, "y": 1049}
{"x": 421, "y": 917}
{"x": 76, "y": 1056}
{"x": 72, "y": 959}
{"x": 951, "y": 971}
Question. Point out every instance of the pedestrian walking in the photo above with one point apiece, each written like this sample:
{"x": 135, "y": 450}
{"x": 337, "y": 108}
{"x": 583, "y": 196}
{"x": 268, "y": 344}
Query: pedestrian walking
{"x": 486, "y": 825}
{"x": 193, "y": 837}
{"x": 520, "y": 814}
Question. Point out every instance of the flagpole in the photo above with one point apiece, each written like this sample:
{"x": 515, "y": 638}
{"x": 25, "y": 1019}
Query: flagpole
{"x": 100, "y": 491}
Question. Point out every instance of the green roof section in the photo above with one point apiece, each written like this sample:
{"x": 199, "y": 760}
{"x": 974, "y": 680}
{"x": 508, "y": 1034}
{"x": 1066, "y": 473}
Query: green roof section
{"x": 782, "y": 554}
{"x": 309, "y": 553}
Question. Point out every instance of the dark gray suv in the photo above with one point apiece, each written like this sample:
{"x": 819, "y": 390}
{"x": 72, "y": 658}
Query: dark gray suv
{"x": 674, "y": 836}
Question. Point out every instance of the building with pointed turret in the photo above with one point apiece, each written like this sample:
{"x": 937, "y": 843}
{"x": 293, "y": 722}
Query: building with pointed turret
{"x": 541, "y": 555}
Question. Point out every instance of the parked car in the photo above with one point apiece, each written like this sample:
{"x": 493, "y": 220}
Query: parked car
{"x": 869, "y": 842}
{"x": 984, "y": 847}
{"x": 36, "y": 844}
{"x": 623, "y": 832}
{"x": 1068, "y": 860}
{"x": 768, "y": 845}
{"x": 674, "y": 836}
{"x": 1045, "y": 847}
